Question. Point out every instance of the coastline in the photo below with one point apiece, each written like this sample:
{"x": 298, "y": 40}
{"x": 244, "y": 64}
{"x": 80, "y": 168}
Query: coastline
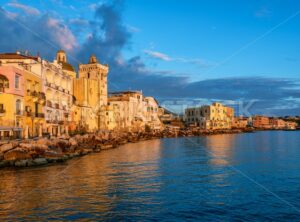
{"x": 43, "y": 151}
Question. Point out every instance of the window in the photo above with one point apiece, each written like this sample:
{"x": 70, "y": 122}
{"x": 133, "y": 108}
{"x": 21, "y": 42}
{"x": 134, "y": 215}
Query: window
{"x": 18, "y": 106}
{"x": 17, "y": 81}
{"x": 3, "y": 83}
{"x": 1, "y": 107}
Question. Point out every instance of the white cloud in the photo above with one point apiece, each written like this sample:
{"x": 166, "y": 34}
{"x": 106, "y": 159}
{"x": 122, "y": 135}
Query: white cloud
{"x": 27, "y": 9}
{"x": 63, "y": 35}
{"x": 167, "y": 58}
{"x": 158, "y": 55}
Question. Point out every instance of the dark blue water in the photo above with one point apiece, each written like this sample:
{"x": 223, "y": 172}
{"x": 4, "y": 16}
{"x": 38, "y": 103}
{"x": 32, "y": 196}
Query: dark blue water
{"x": 244, "y": 177}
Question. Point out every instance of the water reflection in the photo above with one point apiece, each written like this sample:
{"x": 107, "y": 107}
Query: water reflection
{"x": 162, "y": 179}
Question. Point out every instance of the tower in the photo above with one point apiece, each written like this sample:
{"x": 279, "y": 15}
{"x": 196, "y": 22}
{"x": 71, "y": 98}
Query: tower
{"x": 61, "y": 56}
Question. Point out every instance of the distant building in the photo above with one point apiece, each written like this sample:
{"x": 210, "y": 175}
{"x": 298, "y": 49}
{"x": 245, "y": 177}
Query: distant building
{"x": 215, "y": 116}
{"x": 261, "y": 122}
{"x": 134, "y": 112}
{"x": 240, "y": 122}
{"x": 276, "y": 123}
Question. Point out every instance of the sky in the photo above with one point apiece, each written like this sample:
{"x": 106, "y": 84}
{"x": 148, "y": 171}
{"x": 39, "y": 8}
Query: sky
{"x": 183, "y": 52}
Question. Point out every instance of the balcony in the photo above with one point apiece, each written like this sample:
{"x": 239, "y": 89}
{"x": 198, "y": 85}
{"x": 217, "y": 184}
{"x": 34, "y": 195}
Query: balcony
{"x": 19, "y": 113}
{"x": 40, "y": 115}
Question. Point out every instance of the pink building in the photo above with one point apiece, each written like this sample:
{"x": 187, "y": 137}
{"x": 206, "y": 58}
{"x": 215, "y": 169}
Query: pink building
{"x": 11, "y": 102}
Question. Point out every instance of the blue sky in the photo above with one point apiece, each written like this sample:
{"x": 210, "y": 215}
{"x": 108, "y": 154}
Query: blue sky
{"x": 165, "y": 47}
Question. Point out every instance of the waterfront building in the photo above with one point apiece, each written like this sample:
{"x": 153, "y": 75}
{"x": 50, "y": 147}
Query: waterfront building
{"x": 152, "y": 113}
{"x": 11, "y": 102}
{"x": 34, "y": 104}
{"x": 215, "y": 116}
{"x": 129, "y": 106}
{"x": 276, "y": 123}
{"x": 56, "y": 84}
{"x": 58, "y": 89}
{"x": 134, "y": 112}
{"x": 90, "y": 92}
{"x": 240, "y": 122}
{"x": 261, "y": 122}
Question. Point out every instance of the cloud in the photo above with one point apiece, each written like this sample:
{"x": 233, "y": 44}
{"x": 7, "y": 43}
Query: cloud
{"x": 43, "y": 34}
{"x": 167, "y": 58}
{"x": 25, "y": 8}
{"x": 107, "y": 36}
{"x": 158, "y": 55}
{"x": 262, "y": 12}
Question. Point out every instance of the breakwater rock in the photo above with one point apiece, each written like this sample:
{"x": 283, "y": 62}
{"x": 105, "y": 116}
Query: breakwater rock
{"x": 43, "y": 151}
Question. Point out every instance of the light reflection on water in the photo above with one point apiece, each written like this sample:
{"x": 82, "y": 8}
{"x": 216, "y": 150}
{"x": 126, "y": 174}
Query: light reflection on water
{"x": 163, "y": 179}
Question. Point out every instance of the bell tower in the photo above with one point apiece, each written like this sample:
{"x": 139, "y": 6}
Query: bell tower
{"x": 61, "y": 56}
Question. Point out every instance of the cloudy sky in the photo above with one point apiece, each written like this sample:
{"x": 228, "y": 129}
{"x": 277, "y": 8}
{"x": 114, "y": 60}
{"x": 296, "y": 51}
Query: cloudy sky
{"x": 183, "y": 52}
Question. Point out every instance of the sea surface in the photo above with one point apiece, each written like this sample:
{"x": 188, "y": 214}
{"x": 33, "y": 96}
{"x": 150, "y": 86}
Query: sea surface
{"x": 241, "y": 177}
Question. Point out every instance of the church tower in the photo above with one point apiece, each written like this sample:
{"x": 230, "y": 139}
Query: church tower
{"x": 96, "y": 72}
{"x": 61, "y": 56}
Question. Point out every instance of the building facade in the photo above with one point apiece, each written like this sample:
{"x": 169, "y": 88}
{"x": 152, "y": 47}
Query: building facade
{"x": 11, "y": 102}
{"x": 90, "y": 92}
{"x": 215, "y": 116}
{"x": 34, "y": 105}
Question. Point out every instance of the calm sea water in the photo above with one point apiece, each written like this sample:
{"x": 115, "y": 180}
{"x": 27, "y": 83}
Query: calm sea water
{"x": 244, "y": 177}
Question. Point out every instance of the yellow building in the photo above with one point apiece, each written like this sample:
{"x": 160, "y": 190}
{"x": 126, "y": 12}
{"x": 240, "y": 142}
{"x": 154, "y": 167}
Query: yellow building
{"x": 34, "y": 102}
{"x": 90, "y": 92}
{"x": 57, "y": 84}
{"x": 215, "y": 116}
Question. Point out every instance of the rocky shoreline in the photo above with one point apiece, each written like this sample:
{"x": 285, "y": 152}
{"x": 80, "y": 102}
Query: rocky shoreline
{"x": 29, "y": 153}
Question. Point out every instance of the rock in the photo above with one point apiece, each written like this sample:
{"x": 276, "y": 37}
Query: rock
{"x": 44, "y": 141}
{"x": 106, "y": 146}
{"x": 26, "y": 145}
{"x": 5, "y": 163}
{"x": 21, "y": 163}
{"x": 17, "y": 154}
{"x": 40, "y": 161}
{"x": 8, "y": 146}
{"x": 73, "y": 142}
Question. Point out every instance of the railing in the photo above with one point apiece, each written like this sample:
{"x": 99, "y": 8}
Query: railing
{"x": 19, "y": 112}
{"x": 40, "y": 115}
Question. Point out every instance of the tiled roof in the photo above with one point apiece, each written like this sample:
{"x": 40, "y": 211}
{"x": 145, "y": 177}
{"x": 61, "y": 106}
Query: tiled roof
{"x": 17, "y": 56}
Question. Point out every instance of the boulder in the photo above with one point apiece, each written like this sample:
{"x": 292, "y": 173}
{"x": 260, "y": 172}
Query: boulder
{"x": 21, "y": 163}
{"x": 44, "y": 141}
{"x": 17, "y": 154}
{"x": 40, "y": 161}
{"x": 26, "y": 145}
{"x": 8, "y": 146}
{"x": 73, "y": 142}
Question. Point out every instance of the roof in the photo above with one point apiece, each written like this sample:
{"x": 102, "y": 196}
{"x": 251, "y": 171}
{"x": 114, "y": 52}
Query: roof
{"x": 125, "y": 92}
{"x": 17, "y": 56}
{"x": 67, "y": 66}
